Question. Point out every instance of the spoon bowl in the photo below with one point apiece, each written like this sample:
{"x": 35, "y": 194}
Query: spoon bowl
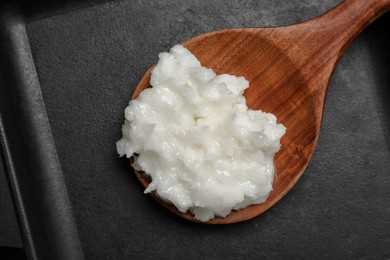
{"x": 289, "y": 69}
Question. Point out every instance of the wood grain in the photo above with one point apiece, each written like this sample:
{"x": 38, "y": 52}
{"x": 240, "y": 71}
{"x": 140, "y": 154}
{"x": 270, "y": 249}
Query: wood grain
{"x": 289, "y": 69}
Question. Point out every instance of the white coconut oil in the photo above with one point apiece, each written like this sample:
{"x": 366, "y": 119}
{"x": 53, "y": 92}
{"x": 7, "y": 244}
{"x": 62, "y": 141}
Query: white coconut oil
{"x": 193, "y": 134}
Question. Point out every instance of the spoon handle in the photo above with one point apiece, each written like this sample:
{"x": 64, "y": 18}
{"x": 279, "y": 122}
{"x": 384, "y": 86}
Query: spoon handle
{"x": 344, "y": 22}
{"x": 320, "y": 42}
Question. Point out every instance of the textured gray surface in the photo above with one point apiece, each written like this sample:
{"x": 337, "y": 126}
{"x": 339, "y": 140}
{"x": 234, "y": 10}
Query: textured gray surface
{"x": 89, "y": 62}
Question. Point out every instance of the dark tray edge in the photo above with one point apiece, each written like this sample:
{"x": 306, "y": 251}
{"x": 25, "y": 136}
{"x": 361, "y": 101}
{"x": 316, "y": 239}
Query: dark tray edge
{"x": 33, "y": 171}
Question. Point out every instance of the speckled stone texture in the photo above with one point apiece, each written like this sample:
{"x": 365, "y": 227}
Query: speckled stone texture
{"x": 89, "y": 61}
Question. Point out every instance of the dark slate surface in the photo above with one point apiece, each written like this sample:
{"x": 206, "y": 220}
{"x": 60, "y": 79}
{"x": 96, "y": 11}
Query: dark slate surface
{"x": 89, "y": 61}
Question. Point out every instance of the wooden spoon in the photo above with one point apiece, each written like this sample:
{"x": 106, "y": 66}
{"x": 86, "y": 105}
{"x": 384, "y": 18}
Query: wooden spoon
{"x": 289, "y": 69}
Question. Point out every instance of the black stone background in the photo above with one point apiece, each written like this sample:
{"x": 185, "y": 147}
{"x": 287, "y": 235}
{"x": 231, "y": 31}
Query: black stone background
{"x": 89, "y": 59}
